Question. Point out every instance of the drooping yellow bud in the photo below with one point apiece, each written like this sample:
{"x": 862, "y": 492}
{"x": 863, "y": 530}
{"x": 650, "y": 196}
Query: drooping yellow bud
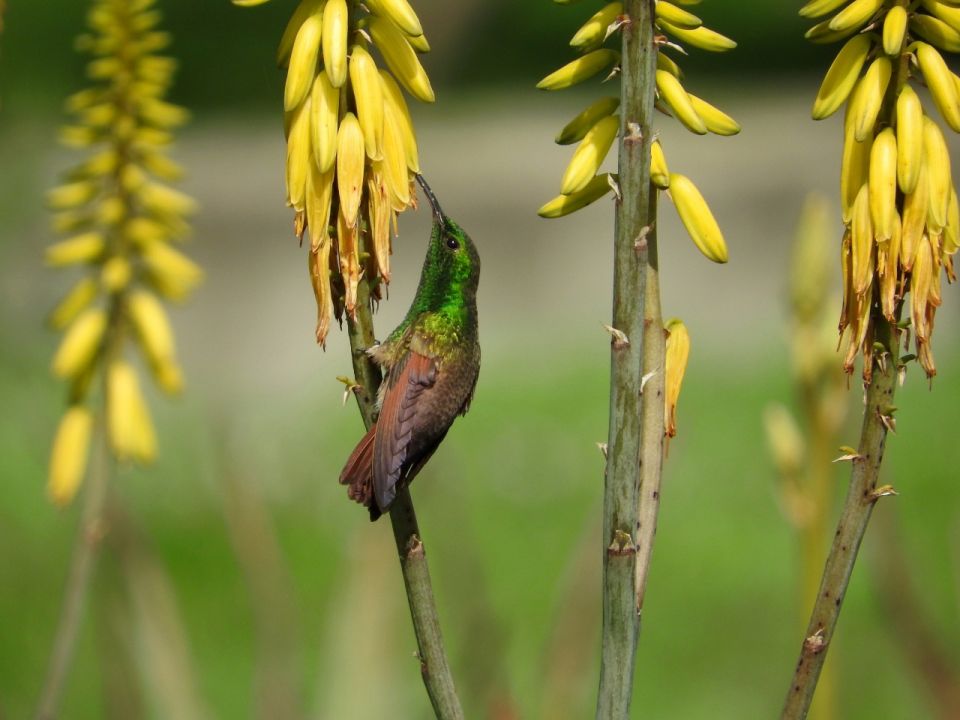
{"x": 350, "y": 161}
{"x": 677, "y": 355}
{"x": 566, "y": 204}
{"x": 303, "y": 61}
{"x": 66, "y": 197}
{"x": 862, "y": 248}
{"x": 73, "y": 303}
{"x": 697, "y": 218}
{"x": 402, "y": 15}
{"x": 368, "y": 97}
{"x": 324, "y": 116}
{"x": 939, "y": 174}
{"x": 336, "y": 19}
{"x": 68, "y": 458}
{"x": 401, "y": 59}
{"x": 659, "y": 172}
{"x": 128, "y": 419}
{"x": 915, "y": 209}
{"x": 80, "y": 344}
{"x": 319, "y": 198}
{"x": 393, "y": 98}
{"x": 394, "y": 163}
{"x": 574, "y": 130}
{"x": 589, "y": 155}
{"x": 152, "y": 325}
{"x": 299, "y": 154}
{"x": 921, "y": 280}
{"x": 82, "y": 248}
{"x": 173, "y": 273}
{"x": 303, "y": 11}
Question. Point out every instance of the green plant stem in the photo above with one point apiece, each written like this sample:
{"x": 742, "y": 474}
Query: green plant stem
{"x": 634, "y": 221}
{"x": 82, "y": 565}
{"x": 857, "y": 509}
{"x": 434, "y": 667}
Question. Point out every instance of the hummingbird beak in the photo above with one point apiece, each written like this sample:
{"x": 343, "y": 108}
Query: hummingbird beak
{"x": 432, "y": 199}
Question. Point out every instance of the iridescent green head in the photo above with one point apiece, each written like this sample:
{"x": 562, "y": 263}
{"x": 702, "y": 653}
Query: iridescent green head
{"x": 451, "y": 270}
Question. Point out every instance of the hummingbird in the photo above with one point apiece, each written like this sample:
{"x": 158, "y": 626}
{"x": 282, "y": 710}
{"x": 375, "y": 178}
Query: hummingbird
{"x": 430, "y": 364}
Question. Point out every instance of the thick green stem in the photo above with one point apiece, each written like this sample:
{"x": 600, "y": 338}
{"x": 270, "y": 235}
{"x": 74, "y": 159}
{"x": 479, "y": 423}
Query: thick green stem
{"x": 857, "y": 508}
{"x": 82, "y": 565}
{"x": 434, "y": 667}
{"x": 634, "y": 225}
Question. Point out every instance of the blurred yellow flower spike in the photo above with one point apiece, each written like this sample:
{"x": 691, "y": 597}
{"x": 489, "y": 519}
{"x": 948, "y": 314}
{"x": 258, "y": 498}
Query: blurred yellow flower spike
{"x": 120, "y": 217}
{"x": 68, "y": 458}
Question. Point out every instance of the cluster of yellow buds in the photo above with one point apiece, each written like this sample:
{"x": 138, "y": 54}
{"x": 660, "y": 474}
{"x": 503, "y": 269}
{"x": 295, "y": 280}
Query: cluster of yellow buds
{"x": 597, "y": 127}
{"x": 122, "y": 221}
{"x": 348, "y": 129}
{"x": 896, "y": 188}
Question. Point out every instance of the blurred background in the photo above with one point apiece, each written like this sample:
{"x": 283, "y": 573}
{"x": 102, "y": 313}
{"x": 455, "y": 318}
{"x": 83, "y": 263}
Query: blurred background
{"x": 239, "y": 582}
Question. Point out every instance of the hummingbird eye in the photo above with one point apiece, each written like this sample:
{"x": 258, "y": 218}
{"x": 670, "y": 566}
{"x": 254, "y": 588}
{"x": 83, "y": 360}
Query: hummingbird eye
{"x": 452, "y": 243}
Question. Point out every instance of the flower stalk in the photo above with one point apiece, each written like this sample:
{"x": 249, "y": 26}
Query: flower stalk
{"x": 645, "y": 378}
{"x": 121, "y": 218}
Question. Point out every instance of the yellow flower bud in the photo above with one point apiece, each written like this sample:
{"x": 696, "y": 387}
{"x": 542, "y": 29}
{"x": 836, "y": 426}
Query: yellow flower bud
{"x": 174, "y": 274}
{"x": 128, "y": 419}
{"x": 71, "y": 195}
{"x": 68, "y": 458}
{"x": 82, "y": 248}
{"x": 80, "y": 344}
{"x": 152, "y": 326}
{"x": 677, "y": 354}
{"x": 73, "y": 303}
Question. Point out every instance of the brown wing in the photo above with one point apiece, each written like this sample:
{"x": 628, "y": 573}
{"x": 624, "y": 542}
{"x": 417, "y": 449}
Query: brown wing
{"x": 394, "y": 450}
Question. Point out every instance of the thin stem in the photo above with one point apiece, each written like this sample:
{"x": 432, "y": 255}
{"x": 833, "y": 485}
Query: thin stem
{"x": 434, "y": 667}
{"x": 634, "y": 221}
{"x": 82, "y": 564}
{"x": 857, "y": 509}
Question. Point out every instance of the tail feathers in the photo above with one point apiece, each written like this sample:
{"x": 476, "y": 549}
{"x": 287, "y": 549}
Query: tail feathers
{"x": 357, "y": 474}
